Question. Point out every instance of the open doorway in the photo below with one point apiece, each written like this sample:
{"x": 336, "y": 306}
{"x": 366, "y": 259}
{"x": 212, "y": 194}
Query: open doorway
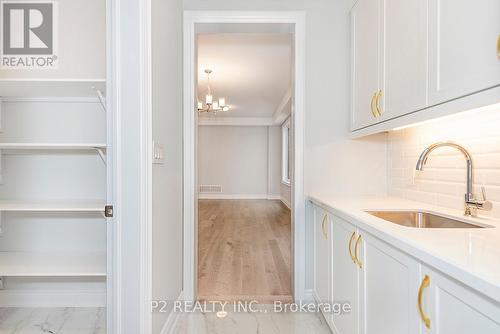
{"x": 243, "y": 23}
{"x": 244, "y": 93}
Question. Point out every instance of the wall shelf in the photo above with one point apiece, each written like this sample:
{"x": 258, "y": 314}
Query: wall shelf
{"x": 52, "y": 206}
{"x": 51, "y": 88}
{"x": 60, "y": 264}
{"x": 52, "y": 146}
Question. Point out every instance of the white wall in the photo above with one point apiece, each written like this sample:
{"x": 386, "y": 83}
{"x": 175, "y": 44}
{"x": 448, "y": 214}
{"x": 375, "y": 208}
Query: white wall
{"x": 235, "y": 157}
{"x": 82, "y": 43}
{"x": 443, "y": 181}
{"x": 167, "y": 178}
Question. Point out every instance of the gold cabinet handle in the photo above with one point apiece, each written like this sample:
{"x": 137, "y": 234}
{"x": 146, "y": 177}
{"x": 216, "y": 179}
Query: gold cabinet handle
{"x": 323, "y": 223}
{"x": 425, "y": 283}
{"x": 350, "y": 247}
{"x": 498, "y": 46}
{"x": 377, "y": 104}
{"x": 356, "y": 247}
{"x": 373, "y": 107}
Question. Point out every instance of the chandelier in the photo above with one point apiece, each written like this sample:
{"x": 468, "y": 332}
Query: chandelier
{"x": 211, "y": 104}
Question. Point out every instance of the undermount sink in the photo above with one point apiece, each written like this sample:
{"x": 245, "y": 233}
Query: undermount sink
{"x": 421, "y": 219}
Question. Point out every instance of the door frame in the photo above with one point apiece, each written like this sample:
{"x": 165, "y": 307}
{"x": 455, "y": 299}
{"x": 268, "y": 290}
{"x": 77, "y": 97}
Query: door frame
{"x": 190, "y": 182}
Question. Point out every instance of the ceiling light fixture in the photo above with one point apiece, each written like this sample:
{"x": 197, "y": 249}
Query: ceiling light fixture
{"x": 212, "y": 105}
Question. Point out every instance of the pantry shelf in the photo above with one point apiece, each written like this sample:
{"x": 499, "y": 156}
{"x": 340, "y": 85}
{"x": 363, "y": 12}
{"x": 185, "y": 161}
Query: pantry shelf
{"x": 51, "y": 88}
{"x": 60, "y": 264}
{"x": 52, "y": 206}
{"x": 52, "y": 146}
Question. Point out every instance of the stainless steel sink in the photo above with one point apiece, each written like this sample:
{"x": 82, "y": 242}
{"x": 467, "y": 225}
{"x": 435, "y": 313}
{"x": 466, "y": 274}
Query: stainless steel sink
{"x": 421, "y": 219}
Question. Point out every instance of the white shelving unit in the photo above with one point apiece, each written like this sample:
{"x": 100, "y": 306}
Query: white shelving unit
{"x": 49, "y": 263}
{"x": 60, "y": 264}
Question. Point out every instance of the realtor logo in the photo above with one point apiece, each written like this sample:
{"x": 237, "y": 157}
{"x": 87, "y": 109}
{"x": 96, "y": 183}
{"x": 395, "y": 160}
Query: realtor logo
{"x": 28, "y": 32}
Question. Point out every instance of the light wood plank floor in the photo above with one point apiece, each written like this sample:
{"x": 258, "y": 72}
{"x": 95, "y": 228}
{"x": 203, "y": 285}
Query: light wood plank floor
{"x": 244, "y": 249}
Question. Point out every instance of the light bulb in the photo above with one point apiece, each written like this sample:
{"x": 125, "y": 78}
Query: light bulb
{"x": 209, "y": 99}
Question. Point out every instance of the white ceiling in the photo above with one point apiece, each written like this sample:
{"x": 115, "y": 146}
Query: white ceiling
{"x": 251, "y": 70}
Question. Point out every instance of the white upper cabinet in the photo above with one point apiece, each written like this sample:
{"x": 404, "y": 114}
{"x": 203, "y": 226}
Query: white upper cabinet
{"x": 415, "y": 60}
{"x": 365, "y": 62}
{"x": 404, "y": 60}
{"x": 463, "y": 48}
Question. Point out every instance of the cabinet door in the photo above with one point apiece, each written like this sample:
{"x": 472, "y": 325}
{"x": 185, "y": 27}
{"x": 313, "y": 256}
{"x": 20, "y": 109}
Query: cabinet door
{"x": 453, "y": 308}
{"x": 322, "y": 257}
{"x": 463, "y": 55}
{"x": 404, "y": 58}
{"x": 365, "y": 61}
{"x": 345, "y": 276}
{"x": 388, "y": 288}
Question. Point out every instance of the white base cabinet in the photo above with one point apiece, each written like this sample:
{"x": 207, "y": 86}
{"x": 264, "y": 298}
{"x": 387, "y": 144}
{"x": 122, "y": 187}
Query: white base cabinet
{"x": 452, "y": 308}
{"x": 322, "y": 264}
{"x": 345, "y": 276}
{"x": 390, "y": 292}
{"x": 388, "y": 289}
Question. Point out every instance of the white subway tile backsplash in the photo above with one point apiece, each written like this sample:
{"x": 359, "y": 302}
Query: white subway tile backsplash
{"x": 443, "y": 180}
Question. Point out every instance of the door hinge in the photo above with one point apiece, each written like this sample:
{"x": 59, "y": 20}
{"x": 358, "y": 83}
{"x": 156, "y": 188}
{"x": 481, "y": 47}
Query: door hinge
{"x": 108, "y": 211}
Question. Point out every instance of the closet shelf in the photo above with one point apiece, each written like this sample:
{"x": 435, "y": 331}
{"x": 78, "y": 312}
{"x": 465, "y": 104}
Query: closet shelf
{"x": 52, "y": 206}
{"x": 52, "y": 146}
{"x": 60, "y": 264}
{"x": 51, "y": 88}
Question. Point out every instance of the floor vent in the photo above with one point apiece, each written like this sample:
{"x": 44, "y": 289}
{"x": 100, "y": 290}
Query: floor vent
{"x": 210, "y": 188}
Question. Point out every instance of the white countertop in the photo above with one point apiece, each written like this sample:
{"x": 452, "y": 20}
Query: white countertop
{"x": 471, "y": 256}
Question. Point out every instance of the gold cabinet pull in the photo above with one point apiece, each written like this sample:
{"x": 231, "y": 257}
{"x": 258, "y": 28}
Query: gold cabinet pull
{"x": 323, "y": 223}
{"x": 425, "y": 283}
{"x": 350, "y": 247}
{"x": 377, "y": 104}
{"x": 498, "y": 46}
{"x": 373, "y": 107}
{"x": 356, "y": 247}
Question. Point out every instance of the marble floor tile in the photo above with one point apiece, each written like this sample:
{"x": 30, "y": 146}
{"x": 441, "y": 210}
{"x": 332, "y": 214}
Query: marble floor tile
{"x": 266, "y": 322}
{"x": 70, "y": 320}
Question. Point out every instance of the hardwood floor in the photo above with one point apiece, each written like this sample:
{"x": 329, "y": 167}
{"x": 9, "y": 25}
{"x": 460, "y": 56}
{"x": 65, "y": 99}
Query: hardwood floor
{"x": 244, "y": 249}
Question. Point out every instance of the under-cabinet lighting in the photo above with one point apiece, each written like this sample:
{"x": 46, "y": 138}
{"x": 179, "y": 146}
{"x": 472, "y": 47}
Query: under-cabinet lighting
{"x": 492, "y": 107}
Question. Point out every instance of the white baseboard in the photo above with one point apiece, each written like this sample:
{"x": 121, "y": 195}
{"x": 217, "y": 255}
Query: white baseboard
{"x": 51, "y": 298}
{"x": 232, "y": 196}
{"x": 273, "y": 197}
{"x": 169, "y": 326}
{"x": 286, "y": 202}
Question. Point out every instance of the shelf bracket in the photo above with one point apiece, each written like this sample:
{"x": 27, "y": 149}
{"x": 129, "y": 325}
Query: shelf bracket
{"x": 101, "y": 153}
{"x": 102, "y": 99}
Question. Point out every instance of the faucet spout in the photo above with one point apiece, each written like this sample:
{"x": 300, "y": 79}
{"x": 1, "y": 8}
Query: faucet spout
{"x": 422, "y": 160}
{"x": 471, "y": 203}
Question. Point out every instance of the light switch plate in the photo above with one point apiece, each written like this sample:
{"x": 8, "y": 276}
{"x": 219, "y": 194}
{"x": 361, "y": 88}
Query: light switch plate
{"x": 158, "y": 153}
